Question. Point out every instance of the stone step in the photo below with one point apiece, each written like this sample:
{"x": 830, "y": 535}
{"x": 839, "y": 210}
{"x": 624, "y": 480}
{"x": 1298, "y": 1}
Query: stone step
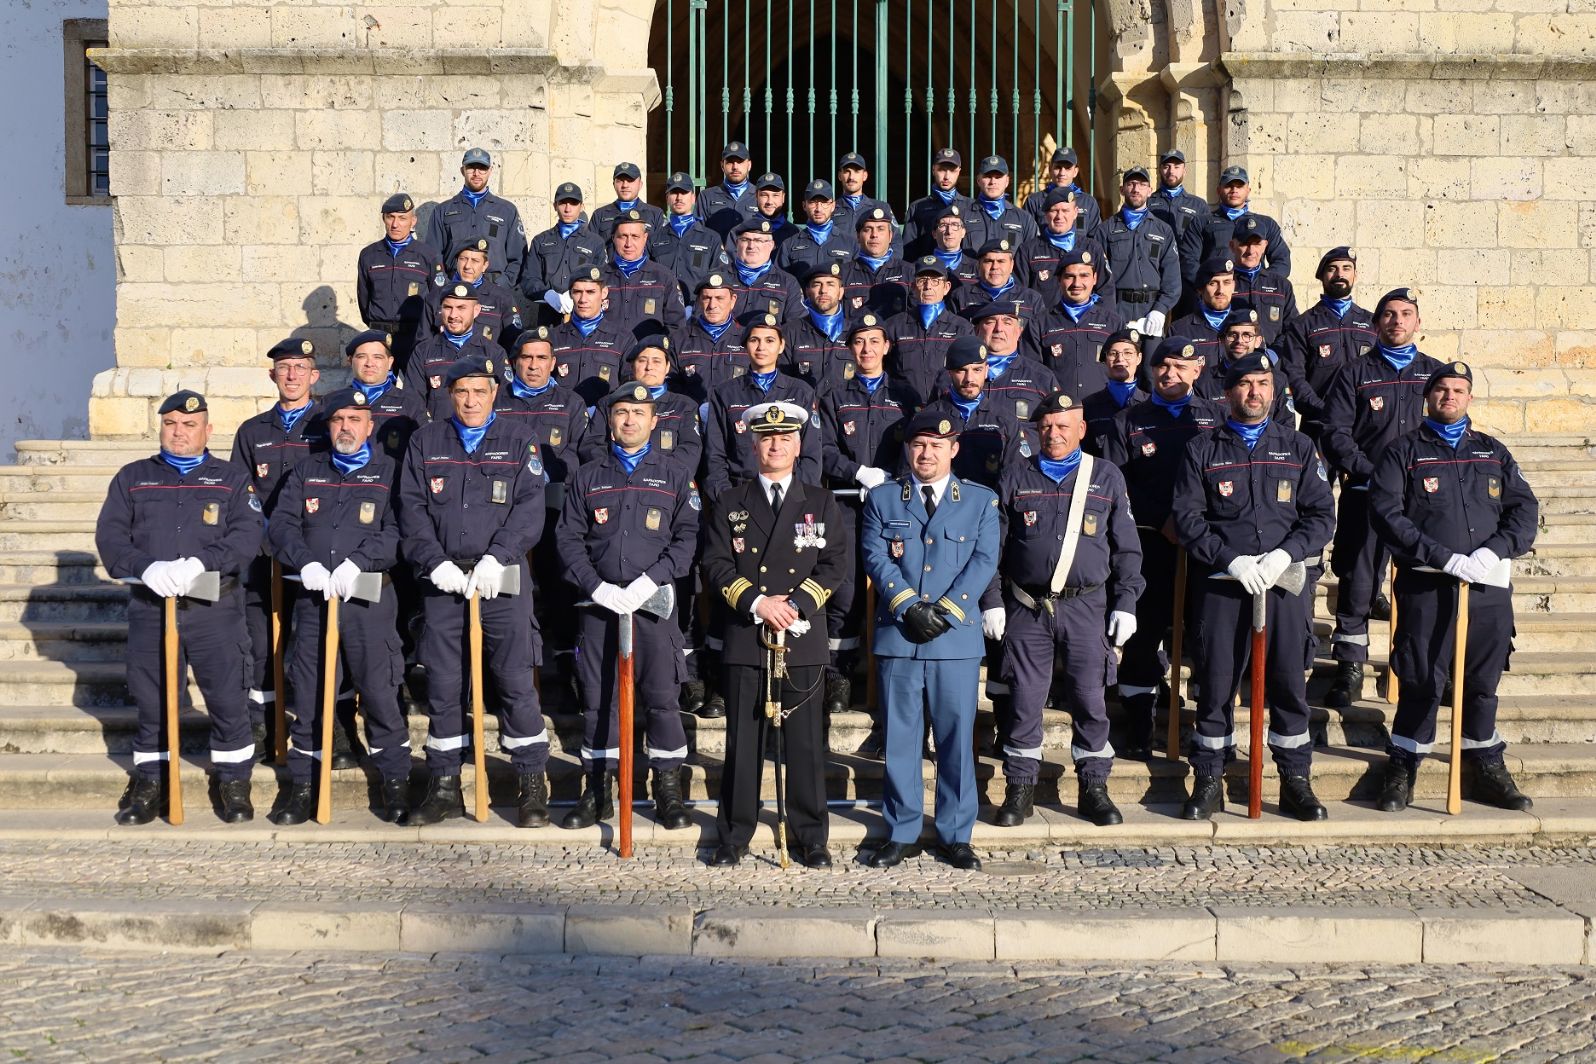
{"x": 51, "y": 479}
{"x": 103, "y": 603}
{"x": 35, "y": 536}
{"x": 113, "y": 453}
{"x": 32, "y": 568}
{"x": 59, "y": 506}
{"x": 66, "y": 641}
{"x": 1574, "y": 593}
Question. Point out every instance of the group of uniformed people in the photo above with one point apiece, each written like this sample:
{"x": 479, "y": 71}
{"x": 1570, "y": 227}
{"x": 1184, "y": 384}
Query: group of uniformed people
{"x": 989, "y": 432}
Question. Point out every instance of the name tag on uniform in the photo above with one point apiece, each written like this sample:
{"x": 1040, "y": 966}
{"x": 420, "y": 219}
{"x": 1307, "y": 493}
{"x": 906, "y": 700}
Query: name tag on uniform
{"x": 667, "y": 440}
{"x": 651, "y": 519}
{"x": 368, "y": 512}
{"x": 1089, "y": 525}
{"x": 212, "y": 513}
{"x": 648, "y": 306}
{"x": 501, "y": 491}
{"x": 1282, "y": 491}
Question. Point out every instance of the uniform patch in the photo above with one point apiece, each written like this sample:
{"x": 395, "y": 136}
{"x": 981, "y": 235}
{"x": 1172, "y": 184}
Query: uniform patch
{"x": 563, "y": 369}
{"x": 649, "y": 306}
{"x": 368, "y": 512}
{"x": 1227, "y": 488}
{"x": 895, "y": 548}
{"x": 263, "y": 469}
{"x": 555, "y": 436}
{"x": 1274, "y": 313}
{"x": 604, "y": 373}
{"x": 212, "y": 513}
{"x": 1493, "y": 487}
{"x": 691, "y": 371}
{"x": 848, "y": 370}
{"x": 435, "y": 382}
{"x": 1149, "y": 448}
{"x": 1058, "y": 350}
{"x": 738, "y": 371}
{"x": 254, "y": 502}
{"x": 312, "y": 505}
{"x": 415, "y": 289}
{"x": 739, "y": 544}
{"x": 1282, "y": 491}
{"x": 1022, "y": 409}
{"x": 1324, "y": 350}
{"x": 1042, "y": 275}
{"x": 1089, "y": 525}
{"x": 500, "y": 491}
{"x": 741, "y": 427}
{"x": 667, "y": 440}
{"x": 601, "y": 516}
{"x": 1432, "y": 484}
{"x": 1030, "y": 518}
{"x": 849, "y": 428}
{"x": 436, "y": 484}
{"x": 1376, "y": 402}
{"x": 651, "y": 519}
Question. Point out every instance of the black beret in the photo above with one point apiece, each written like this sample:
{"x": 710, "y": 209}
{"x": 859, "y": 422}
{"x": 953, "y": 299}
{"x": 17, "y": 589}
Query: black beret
{"x": 1014, "y": 308}
{"x": 874, "y": 214}
{"x": 1056, "y": 195}
{"x": 756, "y": 224}
{"x": 711, "y": 280}
{"x": 996, "y": 246}
{"x": 758, "y": 319}
{"x": 1240, "y": 314}
{"x": 653, "y": 341}
{"x": 293, "y": 347}
{"x": 965, "y": 351}
{"x": 1126, "y": 335}
{"x": 864, "y": 323}
{"x": 1339, "y": 254}
{"x": 1459, "y": 370}
{"x": 1056, "y": 403}
{"x": 370, "y": 336}
{"x": 185, "y": 402}
{"x": 1257, "y": 362}
{"x": 398, "y": 203}
{"x": 822, "y": 269}
{"x": 538, "y": 334}
{"x": 591, "y": 273}
{"x": 459, "y": 290}
{"x": 630, "y": 392}
{"x": 479, "y": 244}
{"x": 1213, "y": 266}
{"x": 930, "y": 423}
{"x": 1404, "y": 295}
{"x": 1178, "y": 348}
{"x": 1077, "y": 256}
{"x": 462, "y": 368}
{"x": 343, "y": 399}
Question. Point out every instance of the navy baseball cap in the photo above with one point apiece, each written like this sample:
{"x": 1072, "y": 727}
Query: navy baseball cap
{"x": 1066, "y": 156}
{"x": 476, "y": 157}
{"x": 568, "y": 192}
{"x": 947, "y": 157}
{"x": 994, "y": 164}
{"x": 679, "y": 182}
{"x": 735, "y": 149}
{"x": 630, "y": 170}
{"x": 853, "y": 159}
{"x": 1137, "y": 172}
{"x": 770, "y": 180}
{"x": 1233, "y": 174}
{"x": 819, "y": 189}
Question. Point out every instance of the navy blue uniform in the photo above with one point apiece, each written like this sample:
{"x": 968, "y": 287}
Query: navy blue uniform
{"x": 1017, "y": 387}
{"x": 1105, "y": 575}
{"x": 819, "y": 357}
{"x": 1179, "y": 211}
{"x": 729, "y": 457}
{"x": 1270, "y": 293}
{"x": 551, "y": 262}
{"x": 615, "y": 527}
{"x": 590, "y": 365}
{"x": 1145, "y": 263}
{"x": 676, "y": 433}
{"x": 804, "y": 250}
{"x": 1036, "y": 263}
{"x": 990, "y": 439}
{"x": 1429, "y": 501}
{"x": 1212, "y": 236}
{"x": 1313, "y": 348}
{"x": 1231, "y": 501}
{"x": 152, "y": 514}
{"x": 775, "y": 292}
{"x": 391, "y": 288}
{"x": 1102, "y": 409}
{"x": 605, "y": 217}
{"x": 691, "y": 255}
{"x": 703, "y": 361}
{"x": 1368, "y": 407}
{"x": 1072, "y": 347}
{"x": 722, "y": 211}
{"x": 1203, "y": 334}
{"x": 395, "y": 414}
{"x": 650, "y": 293}
{"x": 501, "y": 316}
{"x": 431, "y": 360}
{"x": 1085, "y": 220}
{"x": 920, "y": 351}
{"x": 327, "y": 516}
{"x": 1210, "y": 385}
{"x": 1009, "y": 223}
{"x": 458, "y": 506}
{"x": 1029, "y": 307}
{"x": 458, "y": 222}
{"x": 919, "y": 229}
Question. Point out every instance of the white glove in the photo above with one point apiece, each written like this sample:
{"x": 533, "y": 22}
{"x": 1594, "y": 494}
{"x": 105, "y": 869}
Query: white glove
{"x": 994, "y": 622}
{"x": 157, "y": 576}
{"x": 184, "y": 572}
{"x": 448, "y": 578}
{"x": 869, "y": 476}
{"x": 314, "y": 577}
{"x": 1121, "y": 626}
{"x": 1153, "y": 324}
{"x": 342, "y": 582}
{"x": 559, "y": 301}
{"x": 1272, "y": 565}
{"x": 1139, "y": 325}
{"x": 1457, "y": 565}
{"x": 638, "y": 592}
{"x": 612, "y": 597}
{"x": 485, "y": 578}
{"x": 1245, "y": 570}
{"x": 1481, "y": 562}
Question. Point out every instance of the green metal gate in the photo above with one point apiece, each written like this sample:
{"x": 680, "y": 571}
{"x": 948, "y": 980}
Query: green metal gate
{"x": 804, "y": 81}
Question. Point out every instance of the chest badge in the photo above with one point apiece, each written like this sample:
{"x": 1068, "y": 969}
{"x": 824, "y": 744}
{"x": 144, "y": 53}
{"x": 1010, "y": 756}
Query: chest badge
{"x": 604, "y": 373}
{"x": 895, "y": 548}
{"x": 1376, "y": 402}
{"x": 741, "y": 428}
{"x": 212, "y": 513}
{"x": 1324, "y": 350}
{"x": 263, "y": 469}
{"x": 312, "y": 505}
{"x": 1089, "y": 525}
{"x": 555, "y": 436}
{"x": 649, "y": 306}
{"x": 1030, "y": 518}
{"x": 1149, "y": 448}
{"x": 601, "y": 516}
{"x": 501, "y": 492}
{"x": 651, "y": 519}
{"x": 1432, "y": 484}
{"x": 1282, "y": 491}
{"x": 368, "y": 512}
{"x": 563, "y": 369}
{"x": 436, "y": 484}
{"x": 739, "y": 544}
{"x": 848, "y": 370}
{"x": 849, "y": 428}
{"x": 1227, "y": 488}
{"x": 1493, "y": 487}
{"x": 1042, "y": 275}
{"x": 415, "y": 289}
{"x": 667, "y": 440}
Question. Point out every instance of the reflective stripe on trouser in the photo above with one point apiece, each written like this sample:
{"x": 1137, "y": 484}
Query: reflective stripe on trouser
{"x": 1076, "y": 631}
{"x": 950, "y": 687}
{"x": 371, "y": 659}
{"x": 511, "y": 645}
{"x": 212, "y": 641}
{"x": 1360, "y": 562}
{"x": 1223, "y": 662}
{"x": 658, "y": 670}
{"x": 1422, "y": 657}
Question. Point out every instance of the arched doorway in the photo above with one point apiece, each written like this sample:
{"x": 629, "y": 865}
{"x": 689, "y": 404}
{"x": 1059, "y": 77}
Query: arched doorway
{"x": 803, "y": 81}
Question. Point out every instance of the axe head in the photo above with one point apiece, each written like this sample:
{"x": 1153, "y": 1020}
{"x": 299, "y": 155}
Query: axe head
{"x": 207, "y": 587}
{"x": 368, "y": 587}
{"x": 1294, "y": 579}
{"x": 661, "y": 603}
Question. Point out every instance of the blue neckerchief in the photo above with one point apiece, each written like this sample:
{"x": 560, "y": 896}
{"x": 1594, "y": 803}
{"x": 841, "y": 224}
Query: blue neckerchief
{"x": 749, "y": 274}
{"x": 1131, "y": 218}
{"x": 629, "y": 461}
{"x": 624, "y": 205}
{"x": 993, "y": 207}
{"x": 998, "y": 293}
{"x": 586, "y": 326}
{"x": 1215, "y": 318}
{"x": 287, "y": 419}
{"x": 1398, "y": 358}
{"x": 1252, "y": 273}
{"x": 997, "y": 365}
{"x": 460, "y": 341}
{"x": 1080, "y": 192}
{"x": 929, "y": 312}
{"x": 521, "y": 390}
{"x": 1176, "y": 407}
{"x": 1058, "y": 469}
{"x": 373, "y": 392}
{"x": 851, "y": 200}
{"x": 1452, "y": 433}
{"x": 395, "y": 249}
{"x": 966, "y": 407}
{"x": 567, "y": 228}
{"x": 829, "y": 324}
{"x": 655, "y": 391}
{"x": 1121, "y": 391}
{"x": 348, "y": 463}
{"x": 715, "y": 331}
{"x": 629, "y": 266}
{"x": 1174, "y": 193}
{"x": 875, "y": 262}
{"x": 734, "y": 190}
{"x": 1075, "y": 312}
{"x": 474, "y": 197}
{"x": 1250, "y": 434}
{"x": 1064, "y": 241}
{"x": 950, "y": 259}
{"x": 184, "y": 466}
{"x": 763, "y": 381}
{"x": 945, "y": 197}
{"x": 681, "y": 223}
{"x": 1340, "y": 306}
{"x": 819, "y": 233}
{"x": 871, "y": 383}
{"x": 470, "y": 438}
{"x": 1235, "y": 212}
{"x": 777, "y": 221}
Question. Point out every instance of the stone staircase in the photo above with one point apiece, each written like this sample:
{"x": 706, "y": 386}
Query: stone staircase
{"x": 66, "y": 727}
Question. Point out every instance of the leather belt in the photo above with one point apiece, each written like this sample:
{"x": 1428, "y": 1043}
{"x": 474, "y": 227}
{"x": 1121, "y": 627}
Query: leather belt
{"x": 1135, "y": 295}
{"x": 1045, "y": 599}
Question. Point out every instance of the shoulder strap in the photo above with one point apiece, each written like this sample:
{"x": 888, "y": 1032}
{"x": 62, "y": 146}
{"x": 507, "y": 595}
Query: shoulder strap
{"x": 1072, "y": 531}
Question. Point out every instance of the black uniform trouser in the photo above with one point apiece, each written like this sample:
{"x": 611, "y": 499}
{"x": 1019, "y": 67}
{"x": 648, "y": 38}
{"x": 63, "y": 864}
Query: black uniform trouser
{"x": 1422, "y": 657}
{"x": 1359, "y": 560}
{"x": 1224, "y": 657}
{"x": 510, "y": 653}
{"x": 258, "y": 621}
{"x": 1145, "y": 662}
{"x": 555, "y": 602}
{"x": 211, "y": 639}
{"x": 657, "y": 673}
{"x": 845, "y": 627}
{"x": 1075, "y": 628}
{"x": 371, "y": 659}
{"x": 803, "y": 753}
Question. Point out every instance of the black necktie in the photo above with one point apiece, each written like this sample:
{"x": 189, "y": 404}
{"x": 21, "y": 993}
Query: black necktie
{"x": 775, "y": 498}
{"x": 930, "y": 500}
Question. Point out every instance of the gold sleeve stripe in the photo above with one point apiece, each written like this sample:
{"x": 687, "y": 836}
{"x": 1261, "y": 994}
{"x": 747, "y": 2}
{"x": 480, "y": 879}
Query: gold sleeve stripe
{"x": 952, "y": 608}
{"x": 816, "y": 592}
{"x": 899, "y": 599}
{"x": 735, "y": 589}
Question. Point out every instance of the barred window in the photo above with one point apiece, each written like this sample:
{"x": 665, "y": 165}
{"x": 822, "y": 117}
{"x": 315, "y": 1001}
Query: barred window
{"x": 88, "y": 149}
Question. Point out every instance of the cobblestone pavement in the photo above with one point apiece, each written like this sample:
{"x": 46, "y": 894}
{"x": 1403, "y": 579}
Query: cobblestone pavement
{"x": 1053, "y": 879}
{"x": 60, "y": 1005}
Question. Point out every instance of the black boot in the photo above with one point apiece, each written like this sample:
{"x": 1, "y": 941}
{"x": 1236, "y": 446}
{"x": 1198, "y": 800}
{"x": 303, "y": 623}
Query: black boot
{"x": 396, "y": 800}
{"x": 874, "y": 745}
{"x": 1140, "y": 716}
{"x": 141, "y": 802}
{"x": 1396, "y": 787}
{"x": 261, "y": 732}
{"x": 1347, "y": 686}
{"x": 692, "y": 696}
{"x": 343, "y": 751}
{"x": 1380, "y": 608}
{"x": 1019, "y": 802}
{"x": 1207, "y": 798}
{"x": 235, "y": 802}
{"x": 532, "y": 801}
{"x": 597, "y": 802}
{"x": 714, "y": 706}
{"x": 442, "y": 801}
{"x": 839, "y": 693}
{"x": 1297, "y": 799}
{"x": 1491, "y": 783}
{"x": 1097, "y": 806}
{"x": 669, "y": 809}
{"x": 295, "y": 805}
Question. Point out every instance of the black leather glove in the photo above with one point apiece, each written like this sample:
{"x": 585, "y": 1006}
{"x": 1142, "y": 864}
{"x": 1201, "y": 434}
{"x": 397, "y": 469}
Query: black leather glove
{"x": 922, "y": 623}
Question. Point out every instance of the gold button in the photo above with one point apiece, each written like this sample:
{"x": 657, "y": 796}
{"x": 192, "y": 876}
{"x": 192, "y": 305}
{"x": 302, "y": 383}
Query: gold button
{"x": 756, "y": 550}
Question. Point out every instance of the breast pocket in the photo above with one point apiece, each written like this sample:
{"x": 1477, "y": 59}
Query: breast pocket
{"x": 1227, "y": 492}
{"x": 442, "y": 488}
{"x": 1094, "y": 522}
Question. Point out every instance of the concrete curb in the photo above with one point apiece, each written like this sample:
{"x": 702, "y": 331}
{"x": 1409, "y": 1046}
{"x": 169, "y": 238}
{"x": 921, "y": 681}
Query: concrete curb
{"x": 1285, "y": 935}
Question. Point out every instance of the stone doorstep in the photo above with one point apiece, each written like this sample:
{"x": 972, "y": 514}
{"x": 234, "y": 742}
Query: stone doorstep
{"x": 1273, "y": 935}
